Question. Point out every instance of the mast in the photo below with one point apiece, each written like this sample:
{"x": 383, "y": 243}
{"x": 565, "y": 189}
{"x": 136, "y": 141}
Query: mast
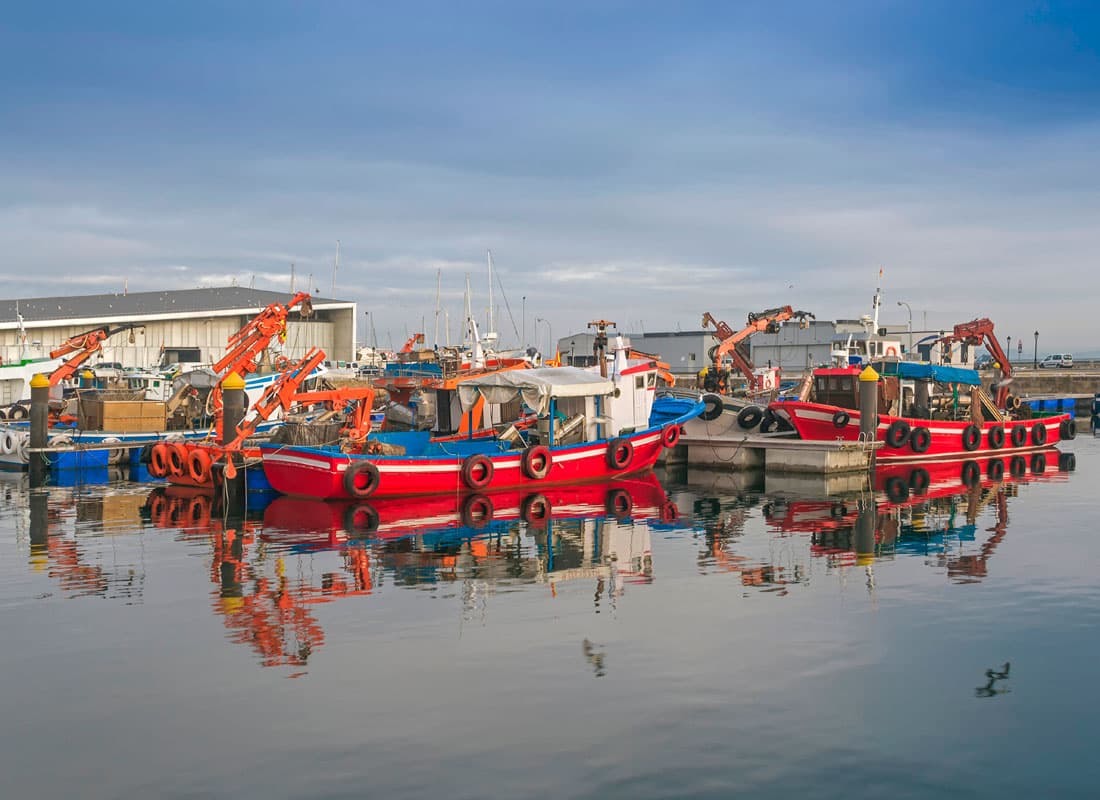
{"x": 492, "y": 327}
{"x": 438, "y": 279}
{"x": 335, "y": 265}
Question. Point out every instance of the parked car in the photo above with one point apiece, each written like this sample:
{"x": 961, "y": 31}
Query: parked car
{"x": 1064, "y": 360}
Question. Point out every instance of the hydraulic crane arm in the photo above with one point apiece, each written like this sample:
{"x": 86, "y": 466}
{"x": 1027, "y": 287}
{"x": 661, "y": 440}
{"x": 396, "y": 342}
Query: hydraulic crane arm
{"x": 976, "y": 333}
{"x": 284, "y": 394}
{"x": 413, "y": 341}
{"x": 84, "y": 345}
{"x": 767, "y": 321}
{"x": 246, "y": 345}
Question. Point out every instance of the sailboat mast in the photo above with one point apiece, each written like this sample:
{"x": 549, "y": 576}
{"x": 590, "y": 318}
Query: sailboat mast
{"x": 492, "y": 326}
{"x": 438, "y": 280}
{"x": 335, "y": 265}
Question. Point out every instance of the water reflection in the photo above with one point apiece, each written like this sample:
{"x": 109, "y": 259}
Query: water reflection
{"x": 270, "y": 573}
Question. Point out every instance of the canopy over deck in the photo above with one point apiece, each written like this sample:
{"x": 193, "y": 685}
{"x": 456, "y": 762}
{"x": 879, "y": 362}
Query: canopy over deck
{"x": 936, "y": 372}
{"x": 535, "y": 386}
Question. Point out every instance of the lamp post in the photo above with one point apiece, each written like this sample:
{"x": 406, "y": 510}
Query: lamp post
{"x": 910, "y": 328}
{"x": 549, "y": 332}
{"x": 1008, "y": 350}
{"x": 1035, "y": 355}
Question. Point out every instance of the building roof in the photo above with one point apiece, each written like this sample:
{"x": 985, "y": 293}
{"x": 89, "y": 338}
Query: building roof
{"x": 99, "y": 307}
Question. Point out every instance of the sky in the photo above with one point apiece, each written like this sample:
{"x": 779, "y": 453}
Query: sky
{"x": 641, "y": 162}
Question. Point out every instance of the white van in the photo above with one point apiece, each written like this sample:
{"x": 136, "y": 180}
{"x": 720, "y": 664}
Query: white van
{"x": 1064, "y": 360}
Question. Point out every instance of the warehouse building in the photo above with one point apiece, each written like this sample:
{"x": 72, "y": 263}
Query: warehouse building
{"x": 186, "y": 325}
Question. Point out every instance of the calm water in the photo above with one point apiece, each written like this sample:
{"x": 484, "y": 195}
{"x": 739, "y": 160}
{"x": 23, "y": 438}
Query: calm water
{"x": 719, "y": 637}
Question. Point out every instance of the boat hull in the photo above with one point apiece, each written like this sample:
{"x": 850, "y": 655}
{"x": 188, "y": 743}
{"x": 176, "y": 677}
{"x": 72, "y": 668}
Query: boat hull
{"x": 815, "y": 422}
{"x": 319, "y": 472}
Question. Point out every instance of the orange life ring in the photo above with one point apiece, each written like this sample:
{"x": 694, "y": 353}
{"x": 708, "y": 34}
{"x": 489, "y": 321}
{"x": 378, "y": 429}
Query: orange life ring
{"x": 158, "y": 461}
{"x": 177, "y": 459}
{"x": 670, "y": 436}
{"x": 198, "y": 465}
{"x": 891, "y": 351}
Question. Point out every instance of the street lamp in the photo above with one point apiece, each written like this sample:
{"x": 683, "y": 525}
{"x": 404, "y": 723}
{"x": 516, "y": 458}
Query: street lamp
{"x": 1008, "y": 350}
{"x": 549, "y": 333}
{"x": 1035, "y": 355}
{"x": 907, "y": 308}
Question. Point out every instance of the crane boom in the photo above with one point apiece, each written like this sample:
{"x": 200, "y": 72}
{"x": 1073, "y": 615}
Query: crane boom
{"x": 766, "y": 321}
{"x": 84, "y": 345}
{"x": 976, "y": 333}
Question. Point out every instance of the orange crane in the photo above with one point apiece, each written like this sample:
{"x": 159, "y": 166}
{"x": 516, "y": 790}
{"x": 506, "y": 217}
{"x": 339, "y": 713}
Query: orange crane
{"x": 767, "y": 321}
{"x": 284, "y": 394}
{"x": 413, "y": 341}
{"x": 246, "y": 346}
{"x": 85, "y": 345}
{"x": 978, "y": 332}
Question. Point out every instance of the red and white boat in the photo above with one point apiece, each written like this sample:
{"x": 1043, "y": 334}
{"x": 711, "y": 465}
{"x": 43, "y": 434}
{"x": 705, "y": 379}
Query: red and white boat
{"x": 591, "y": 427}
{"x": 927, "y": 410}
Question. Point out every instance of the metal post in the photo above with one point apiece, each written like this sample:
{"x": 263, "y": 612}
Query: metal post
{"x": 40, "y": 420}
{"x": 234, "y": 407}
{"x": 1035, "y": 355}
{"x": 868, "y": 406}
{"x": 865, "y": 532}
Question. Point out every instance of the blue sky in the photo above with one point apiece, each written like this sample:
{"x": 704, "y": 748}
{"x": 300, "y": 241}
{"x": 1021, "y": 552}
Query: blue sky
{"x": 643, "y": 162}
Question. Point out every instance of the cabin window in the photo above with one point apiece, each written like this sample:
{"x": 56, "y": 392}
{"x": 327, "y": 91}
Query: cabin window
{"x": 651, "y": 380}
{"x": 639, "y": 381}
{"x": 822, "y": 385}
{"x": 691, "y": 357}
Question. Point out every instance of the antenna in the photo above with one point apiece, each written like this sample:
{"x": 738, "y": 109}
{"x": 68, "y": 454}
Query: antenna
{"x": 335, "y": 264}
{"x": 292, "y": 277}
{"x": 438, "y": 279}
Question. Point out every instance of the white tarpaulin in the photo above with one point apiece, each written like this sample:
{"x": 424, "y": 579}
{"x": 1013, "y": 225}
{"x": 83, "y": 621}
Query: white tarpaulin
{"x": 535, "y": 386}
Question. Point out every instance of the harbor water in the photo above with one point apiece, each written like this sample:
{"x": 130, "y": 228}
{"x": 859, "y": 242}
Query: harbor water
{"x": 711, "y": 635}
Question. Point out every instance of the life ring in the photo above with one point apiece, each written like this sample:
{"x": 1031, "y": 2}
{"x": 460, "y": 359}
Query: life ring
{"x": 1038, "y": 463}
{"x": 920, "y": 439}
{"x": 897, "y": 434}
{"x": 477, "y": 471}
{"x": 971, "y": 437}
{"x": 1067, "y": 462}
{"x": 477, "y": 511}
{"x": 198, "y": 465}
{"x": 536, "y": 462}
{"x": 7, "y": 443}
{"x": 1068, "y": 428}
{"x": 919, "y": 480}
{"x": 1017, "y": 467}
{"x": 995, "y": 469}
{"x": 18, "y": 412}
{"x": 282, "y": 363}
{"x": 177, "y": 459}
{"x": 619, "y": 503}
{"x": 971, "y": 474}
{"x": 620, "y": 452}
{"x": 897, "y": 490}
{"x": 996, "y": 437}
{"x": 535, "y": 509}
{"x": 361, "y": 518}
{"x": 60, "y": 440}
{"x": 891, "y": 351}
{"x": 361, "y": 479}
{"x": 712, "y": 407}
{"x": 670, "y": 436}
{"x": 1038, "y": 434}
{"x": 669, "y": 512}
{"x": 841, "y": 419}
{"x": 158, "y": 460}
{"x": 1018, "y": 436}
{"x": 115, "y": 454}
{"x": 749, "y": 417}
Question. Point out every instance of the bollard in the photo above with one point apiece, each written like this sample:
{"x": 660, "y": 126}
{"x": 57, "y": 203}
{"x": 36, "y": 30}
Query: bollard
{"x": 868, "y": 404}
{"x": 40, "y": 421}
{"x": 87, "y": 380}
{"x": 234, "y": 407}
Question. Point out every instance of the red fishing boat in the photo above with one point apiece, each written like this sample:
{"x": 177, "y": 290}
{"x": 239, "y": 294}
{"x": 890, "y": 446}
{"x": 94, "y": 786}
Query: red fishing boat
{"x": 590, "y": 427}
{"x": 927, "y": 410}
